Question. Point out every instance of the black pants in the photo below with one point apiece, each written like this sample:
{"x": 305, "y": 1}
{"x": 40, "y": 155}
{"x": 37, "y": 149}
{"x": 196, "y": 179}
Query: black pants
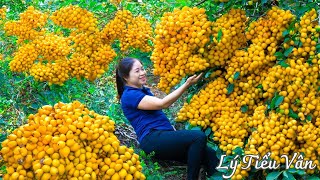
{"x": 184, "y": 145}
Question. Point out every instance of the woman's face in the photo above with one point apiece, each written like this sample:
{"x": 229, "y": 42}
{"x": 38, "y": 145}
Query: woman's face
{"x": 137, "y": 75}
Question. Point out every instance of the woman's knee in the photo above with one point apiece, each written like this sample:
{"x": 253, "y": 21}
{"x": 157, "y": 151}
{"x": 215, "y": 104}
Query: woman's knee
{"x": 200, "y": 136}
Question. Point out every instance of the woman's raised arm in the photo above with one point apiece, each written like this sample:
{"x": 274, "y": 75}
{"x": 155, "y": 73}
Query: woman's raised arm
{"x": 154, "y": 103}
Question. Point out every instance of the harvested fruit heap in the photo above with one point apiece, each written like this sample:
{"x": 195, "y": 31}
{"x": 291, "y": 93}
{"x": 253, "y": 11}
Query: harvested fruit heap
{"x": 132, "y": 31}
{"x": 85, "y": 53}
{"x": 290, "y": 123}
{"x": 68, "y": 141}
{"x": 180, "y": 40}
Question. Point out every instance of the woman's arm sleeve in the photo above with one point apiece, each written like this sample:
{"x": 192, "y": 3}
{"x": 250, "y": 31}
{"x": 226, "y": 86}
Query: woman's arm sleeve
{"x": 133, "y": 98}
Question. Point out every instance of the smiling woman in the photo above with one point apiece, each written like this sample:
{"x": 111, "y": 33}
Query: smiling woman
{"x": 153, "y": 129}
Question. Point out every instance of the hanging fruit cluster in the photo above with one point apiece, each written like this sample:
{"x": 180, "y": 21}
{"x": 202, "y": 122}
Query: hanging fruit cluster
{"x": 29, "y": 27}
{"x": 3, "y": 13}
{"x": 134, "y": 32}
{"x": 46, "y": 56}
{"x": 234, "y": 106}
{"x": 68, "y": 141}
{"x": 180, "y": 40}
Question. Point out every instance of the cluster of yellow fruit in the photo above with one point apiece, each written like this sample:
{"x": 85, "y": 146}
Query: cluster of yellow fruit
{"x": 51, "y": 47}
{"x": 115, "y": 2}
{"x": 3, "y": 13}
{"x": 136, "y": 35}
{"x": 75, "y": 17}
{"x": 24, "y": 58}
{"x": 85, "y": 42}
{"x": 54, "y": 73}
{"x": 68, "y": 141}
{"x": 27, "y": 28}
{"x": 307, "y": 35}
{"x": 241, "y": 113}
{"x": 131, "y": 31}
{"x": 116, "y": 27}
{"x": 231, "y": 29}
{"x": 180, "y": 40}
{"x": 265, "y": 35}
{"x": 46, "y": 56}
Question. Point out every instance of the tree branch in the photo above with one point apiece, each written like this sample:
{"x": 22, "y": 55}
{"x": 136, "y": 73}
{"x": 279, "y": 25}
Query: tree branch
{"x": 201, "y": 2}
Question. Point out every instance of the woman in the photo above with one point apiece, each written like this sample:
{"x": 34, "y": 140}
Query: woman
{"x": 153, "y": 129}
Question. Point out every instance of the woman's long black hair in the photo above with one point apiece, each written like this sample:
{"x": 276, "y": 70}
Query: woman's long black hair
{"x": 122, "y": 71}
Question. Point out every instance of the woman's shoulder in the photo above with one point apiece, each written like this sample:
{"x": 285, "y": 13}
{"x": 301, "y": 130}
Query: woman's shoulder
{"x": 132, "y": 93}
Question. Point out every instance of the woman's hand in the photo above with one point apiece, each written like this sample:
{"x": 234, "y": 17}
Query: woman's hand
{"x": 193, "y": 79}
{"x": 154, "y": 103}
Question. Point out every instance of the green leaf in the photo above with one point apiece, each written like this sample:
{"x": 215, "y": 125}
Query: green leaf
{"x": 309, "y": 117}
{"x": 238, "y": 150}
{"x": 208, "y": 73}
{"x": 288, "y": 176}
{"x": 284, "y": 33}
{"x": 279, "y": 55}
{"x": 293, "y": 114}
{"x": 286, "y": 40}
{"x": 244, "y": 108}
{"x": 189, "y": 98}
{"x": 236, "y": 75}
{"x": 318, "y": 48}
{"x": 208, "y": 131}
{"x": 288, "y": 51}
{"x": 283, "y": 63}
{"x": 301, "y": 172}
{"x": 276, "y": 100}
{"x": 313, "y": 178}
{"x": 91, "y": 89}
{"x": 260, "y": 86}
{"x": 279, "y": 101}
{"x": 273, "y": 175}
{"x": 196, "y": 128}
{"x": 212, "y": 145}
{"x": 230, "y": 88}
{"x": 219, "y": 35}
{"x": 187, "y": 126}
{"x": 292, "y": 170}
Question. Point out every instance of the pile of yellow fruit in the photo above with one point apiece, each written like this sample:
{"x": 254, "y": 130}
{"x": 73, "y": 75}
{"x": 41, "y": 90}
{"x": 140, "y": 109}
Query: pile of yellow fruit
{"x": 180, "y": 40}
{"x": 239, "y": 113}
{"x": 68, "y": 141}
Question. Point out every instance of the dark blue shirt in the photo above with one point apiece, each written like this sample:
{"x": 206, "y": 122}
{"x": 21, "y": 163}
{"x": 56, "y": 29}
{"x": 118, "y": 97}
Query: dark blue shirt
{"x": 142, "y": 120}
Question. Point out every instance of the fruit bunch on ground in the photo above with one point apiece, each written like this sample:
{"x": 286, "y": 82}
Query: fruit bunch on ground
{"x": 68, "y": 141}
{"x": 234, "y": 106}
